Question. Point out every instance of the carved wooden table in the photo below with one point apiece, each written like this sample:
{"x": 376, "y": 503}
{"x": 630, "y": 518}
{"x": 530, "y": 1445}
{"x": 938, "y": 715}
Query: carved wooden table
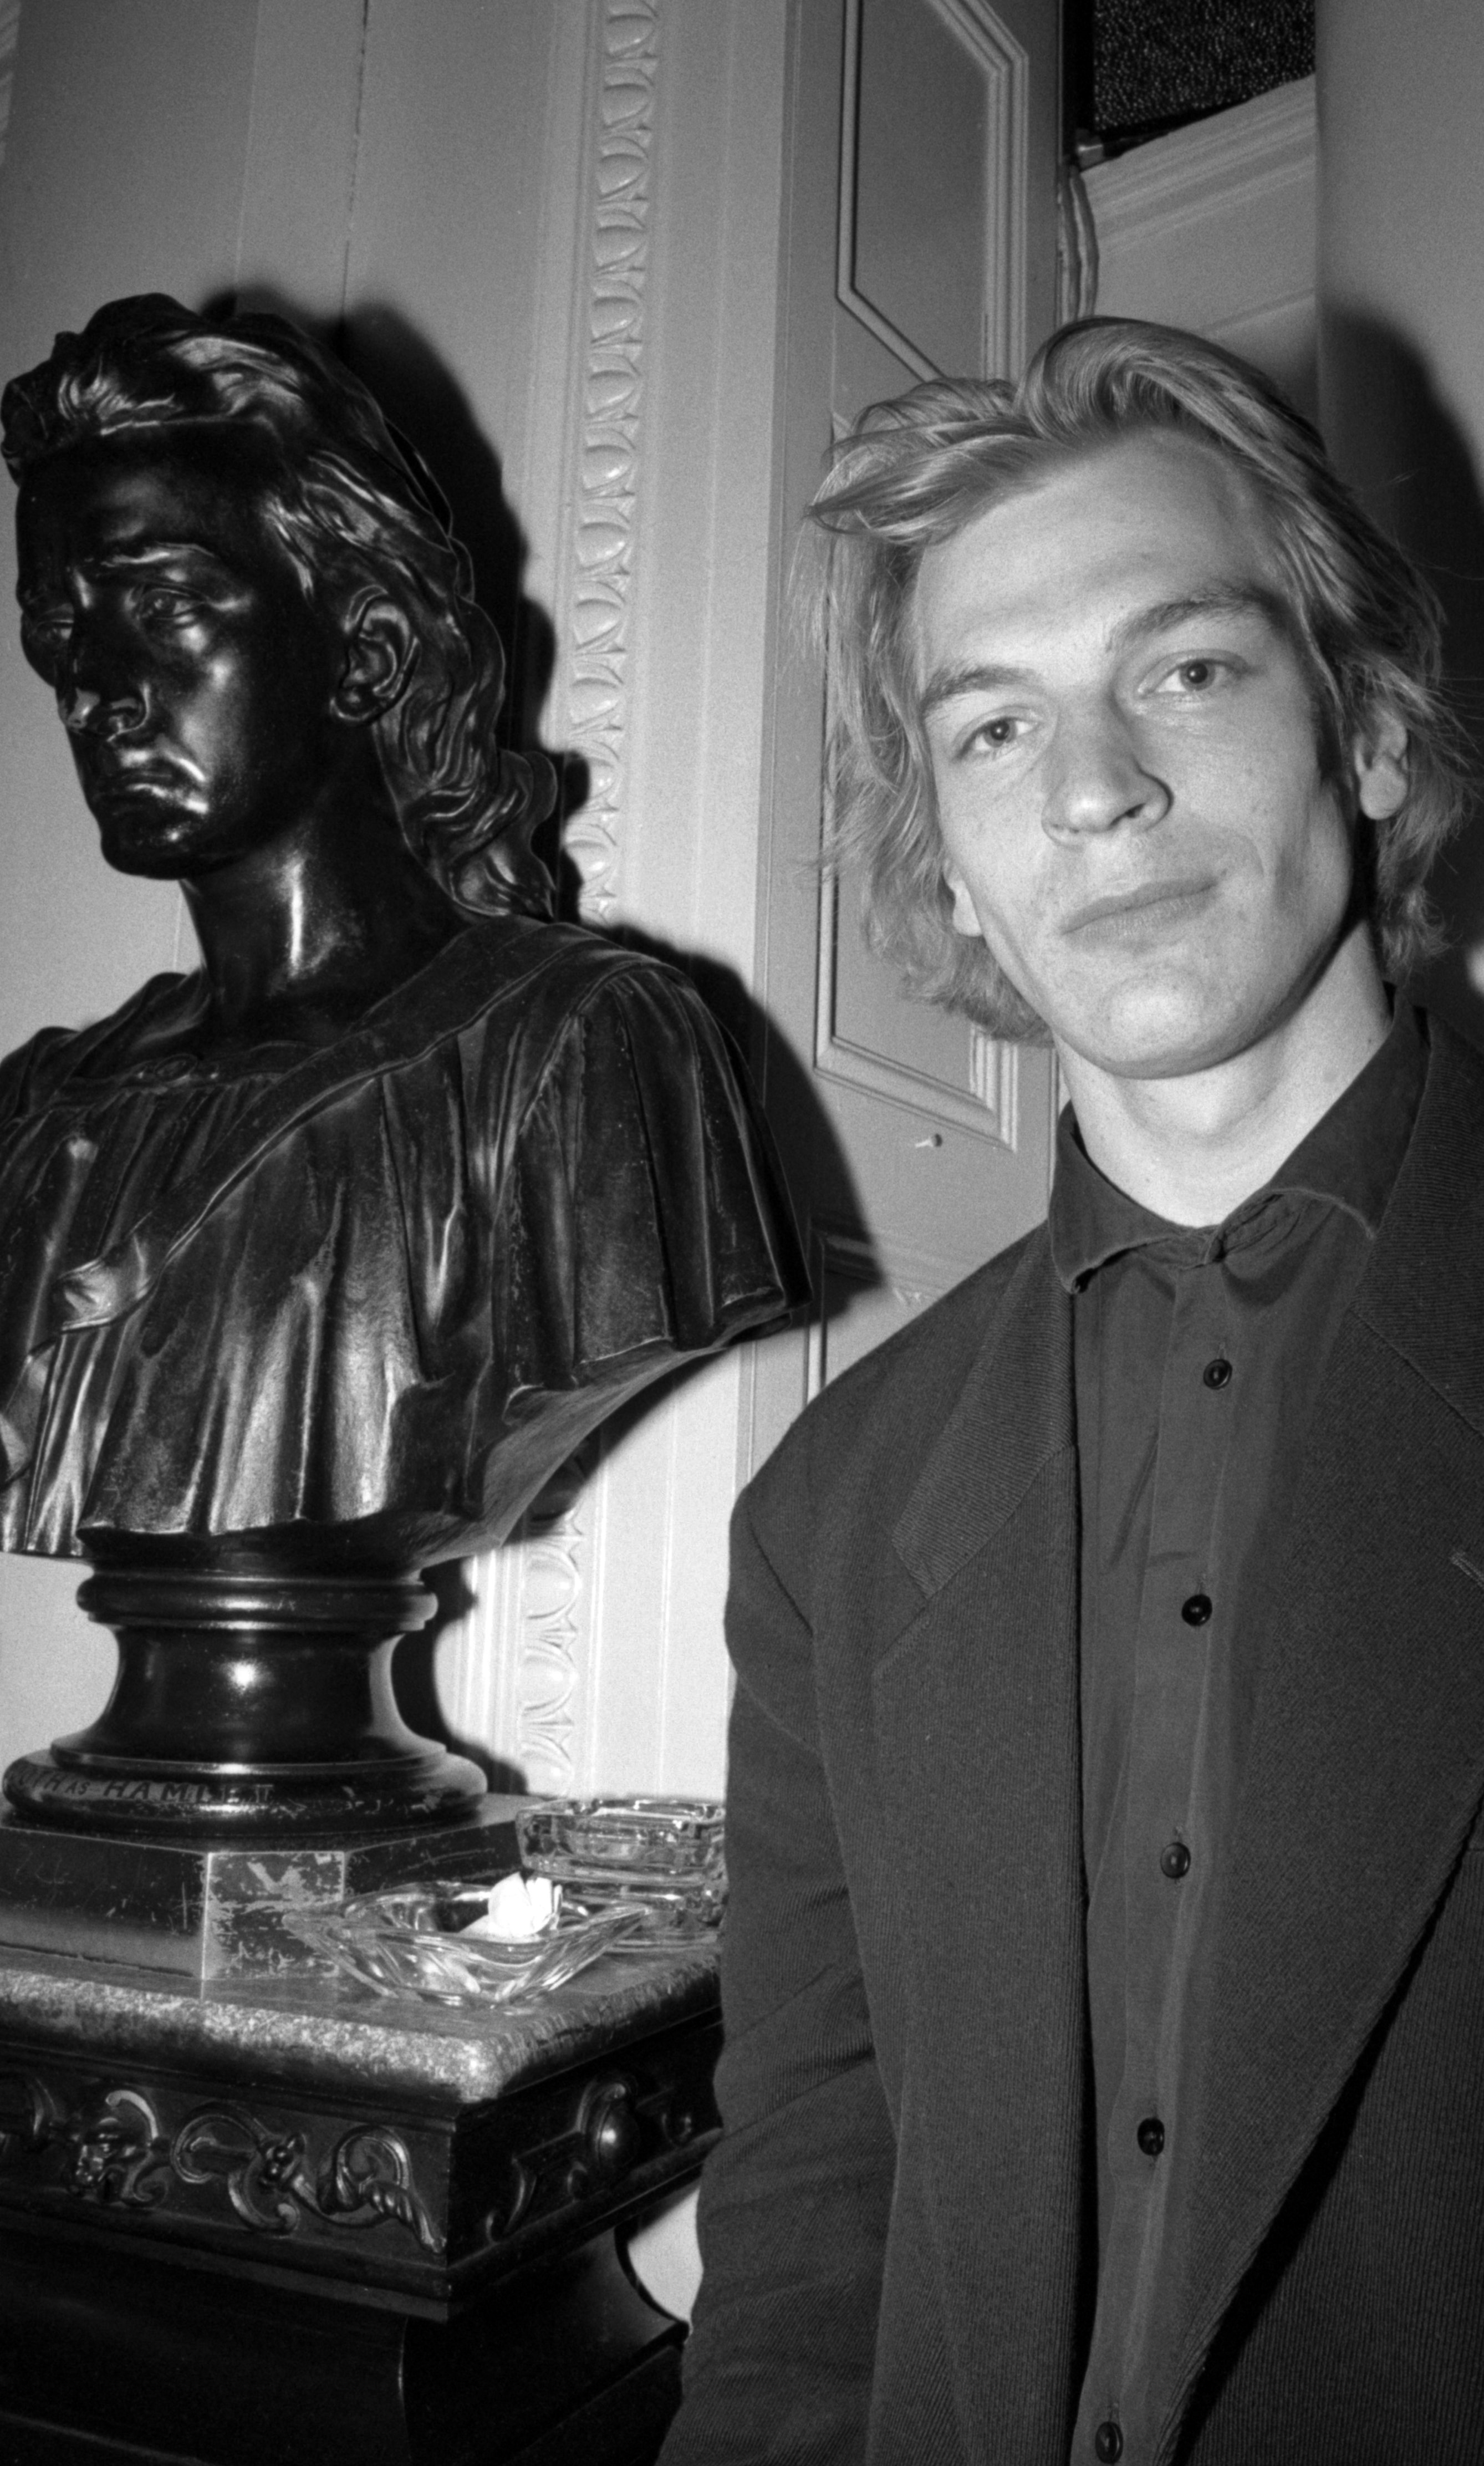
{"x": 288, "y": 2226}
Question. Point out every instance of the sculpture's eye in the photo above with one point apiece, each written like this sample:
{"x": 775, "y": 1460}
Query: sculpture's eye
{"x": 45, "y": 632}
{"x": 163, "y": 603}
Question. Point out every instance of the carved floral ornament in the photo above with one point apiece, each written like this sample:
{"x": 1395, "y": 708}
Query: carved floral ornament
{"x": 115, "y": 2152}
{"x": 553, "y": 1576}
{"x": 608, "y": 461}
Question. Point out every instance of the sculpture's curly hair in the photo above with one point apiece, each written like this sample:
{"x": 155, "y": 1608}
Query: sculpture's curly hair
{"x": 916, "y": 470}
{"x": 352, "y": 508}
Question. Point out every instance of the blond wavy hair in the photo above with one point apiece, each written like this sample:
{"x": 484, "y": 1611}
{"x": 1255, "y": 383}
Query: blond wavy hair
{"x": 916, "y": 470}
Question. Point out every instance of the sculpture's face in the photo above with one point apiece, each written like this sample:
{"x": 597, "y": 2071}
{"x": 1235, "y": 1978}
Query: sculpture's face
{"x": 193, "y": 677}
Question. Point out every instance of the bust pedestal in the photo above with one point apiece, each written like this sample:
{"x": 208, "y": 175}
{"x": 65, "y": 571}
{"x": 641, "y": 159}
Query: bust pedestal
{"x": 219, "y": 1909}
{"x": 247, "y": 2213}
{"x": 284, "y": 2221}
{"x": 252, "y": 1699}
{"x": 250, "y": 1760}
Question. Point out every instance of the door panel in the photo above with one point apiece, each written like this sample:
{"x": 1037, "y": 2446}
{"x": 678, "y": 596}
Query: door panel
{"x": 872, "y": 1036}
{"x": 919, "y": 239}
{"x": 933, "y": 154}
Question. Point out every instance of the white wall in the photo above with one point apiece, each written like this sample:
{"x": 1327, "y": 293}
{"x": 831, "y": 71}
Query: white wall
{"x": 549, "y": 228}
{"x": 1213, "y": 227}
{"x": 1401, "y": 241}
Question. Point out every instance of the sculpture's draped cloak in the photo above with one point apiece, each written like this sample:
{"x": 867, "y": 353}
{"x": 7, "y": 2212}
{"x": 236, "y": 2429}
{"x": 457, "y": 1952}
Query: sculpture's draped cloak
{"x": 386, "y": 1284}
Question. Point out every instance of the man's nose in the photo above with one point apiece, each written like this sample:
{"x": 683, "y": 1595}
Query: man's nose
{"x": 1100, "y": 778}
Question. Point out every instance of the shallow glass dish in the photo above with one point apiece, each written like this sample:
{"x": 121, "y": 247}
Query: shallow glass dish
{"x": 628, "y": 1875}
{"x": 416, "y": 1941}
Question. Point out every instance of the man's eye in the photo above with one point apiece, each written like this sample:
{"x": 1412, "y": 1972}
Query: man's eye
{"x": 994, "y": 735}
{"x": 1194, "y": 676}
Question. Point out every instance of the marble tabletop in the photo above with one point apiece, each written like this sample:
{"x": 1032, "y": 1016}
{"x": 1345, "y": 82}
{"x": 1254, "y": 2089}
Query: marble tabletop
{"x": 330, "y": 2035}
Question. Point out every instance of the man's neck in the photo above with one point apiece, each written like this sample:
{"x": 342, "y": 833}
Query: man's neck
{"x": 1194, "y": 1147}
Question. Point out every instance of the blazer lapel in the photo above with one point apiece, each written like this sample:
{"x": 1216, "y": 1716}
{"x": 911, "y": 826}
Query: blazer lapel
{"x": 1366, "y": 1763}
{"x": 975, "y": 1712}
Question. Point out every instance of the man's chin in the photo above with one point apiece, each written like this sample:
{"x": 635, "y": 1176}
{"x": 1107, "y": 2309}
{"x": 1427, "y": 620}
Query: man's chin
{"x": 1150, "y": 1038}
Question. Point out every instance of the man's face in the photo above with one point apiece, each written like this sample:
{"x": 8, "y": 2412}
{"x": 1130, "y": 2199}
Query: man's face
{"x": 191, "y": 674}
{"x": 1127, "y": 764}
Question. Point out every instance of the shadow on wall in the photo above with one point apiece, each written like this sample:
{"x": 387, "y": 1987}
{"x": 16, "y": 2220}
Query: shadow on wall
{"x": 1414, "y": 466}
{"x": 426, "y": 404}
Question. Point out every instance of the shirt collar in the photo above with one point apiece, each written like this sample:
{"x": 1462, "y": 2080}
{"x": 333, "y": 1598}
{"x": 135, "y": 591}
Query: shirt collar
{"x": 1349, "y": 1159}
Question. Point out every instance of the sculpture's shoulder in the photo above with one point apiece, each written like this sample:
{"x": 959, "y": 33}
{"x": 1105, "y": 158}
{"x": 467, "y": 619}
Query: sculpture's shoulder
{"x": 616, "y": 1101}
{"x": 59, "y": 1060}
{"x": 29, "y": 1073}
{"x": 562, "y": 970}
{"x": 512, "y": 982}
{"x": 554, "y": 1001}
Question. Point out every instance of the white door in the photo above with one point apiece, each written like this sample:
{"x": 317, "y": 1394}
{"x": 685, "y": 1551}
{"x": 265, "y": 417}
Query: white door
{"x": 919, "y": 239}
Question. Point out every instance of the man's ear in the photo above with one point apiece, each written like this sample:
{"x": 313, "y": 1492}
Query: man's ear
{"x": 1380, "y": 767}
{"x": 379, "y": 651}
{"x": 965, "y": 919}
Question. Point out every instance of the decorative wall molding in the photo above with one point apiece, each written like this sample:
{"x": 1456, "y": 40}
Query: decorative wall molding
{"x": 609, "y": 444}
{"x": 518, "y": 1653}
{"x": 1236, "y": 155}
{"x": 545, "y": 1628}
{"x": 515, "y": 1679}
{"x": 1076, "y": 247}
{"x": 1214, "y": 227}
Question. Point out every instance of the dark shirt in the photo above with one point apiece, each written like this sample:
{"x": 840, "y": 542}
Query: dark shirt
{"x": 1197, "y": 1357}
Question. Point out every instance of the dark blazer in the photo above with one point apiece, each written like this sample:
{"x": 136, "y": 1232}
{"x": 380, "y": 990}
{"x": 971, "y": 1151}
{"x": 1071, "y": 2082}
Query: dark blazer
{"x": 895, "y": 2264}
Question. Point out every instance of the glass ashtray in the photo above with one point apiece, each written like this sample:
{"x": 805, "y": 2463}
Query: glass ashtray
{"x": 658, "y": 1913}
{"x": 433, "y": 1941}
{"x": 629, "y": 1875}
{"x": 672, "y": 1844}
{"x": 516, "y": 1937}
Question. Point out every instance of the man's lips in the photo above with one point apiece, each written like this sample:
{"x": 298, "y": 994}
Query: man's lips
{"x": 1142, "y": 899}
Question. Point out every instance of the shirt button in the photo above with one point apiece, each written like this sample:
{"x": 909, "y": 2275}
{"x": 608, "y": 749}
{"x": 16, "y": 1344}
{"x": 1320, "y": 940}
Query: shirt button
{"x": 1217, "y": 1373}
{"x": 1150, "y": 2136}
{"x": 1197, "y": 1610}
{"x": 1106, "y": 2443}
{"x": 1175, "y": 1861}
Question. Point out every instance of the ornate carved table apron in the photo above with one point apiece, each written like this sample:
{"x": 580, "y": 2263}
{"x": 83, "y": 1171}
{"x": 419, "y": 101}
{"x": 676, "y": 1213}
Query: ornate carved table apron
{"x": 276, "y": 2224}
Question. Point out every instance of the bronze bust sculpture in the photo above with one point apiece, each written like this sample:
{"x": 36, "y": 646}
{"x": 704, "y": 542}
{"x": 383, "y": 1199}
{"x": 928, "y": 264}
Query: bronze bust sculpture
{"x": 318, "y": 1261}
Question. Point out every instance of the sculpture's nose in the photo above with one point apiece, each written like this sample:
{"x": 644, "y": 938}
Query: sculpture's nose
{"x": 99, "y": 691}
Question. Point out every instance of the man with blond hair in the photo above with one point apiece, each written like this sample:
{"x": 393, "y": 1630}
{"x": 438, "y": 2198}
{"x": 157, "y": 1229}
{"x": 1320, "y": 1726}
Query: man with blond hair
{"x": 1104, "y": 1976}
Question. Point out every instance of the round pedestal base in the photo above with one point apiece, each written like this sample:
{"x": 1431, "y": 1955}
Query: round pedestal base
{"x": 249, "y": 1702}
{"x": 115, "y": 1794}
